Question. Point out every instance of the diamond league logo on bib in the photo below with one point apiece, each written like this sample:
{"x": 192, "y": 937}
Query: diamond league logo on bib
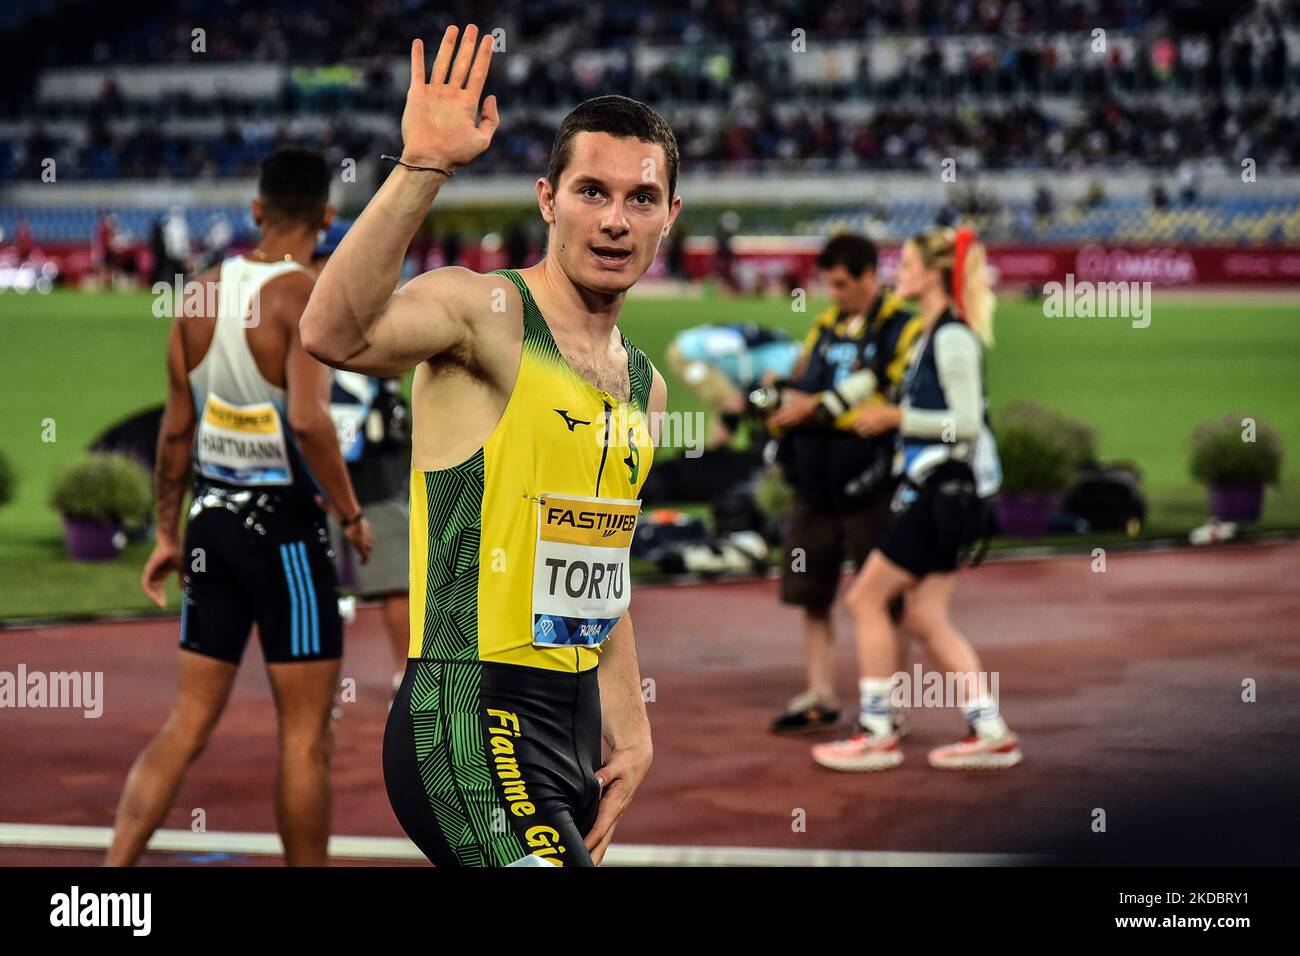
{"x": 581, "y": 579}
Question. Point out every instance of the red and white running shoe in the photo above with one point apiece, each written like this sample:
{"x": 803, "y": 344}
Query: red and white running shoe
{"x": 860, "y": 753}
{"x": 978, "y": 753}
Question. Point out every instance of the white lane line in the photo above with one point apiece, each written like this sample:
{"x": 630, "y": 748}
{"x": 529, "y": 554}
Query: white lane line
{"x": 44, "y": 836}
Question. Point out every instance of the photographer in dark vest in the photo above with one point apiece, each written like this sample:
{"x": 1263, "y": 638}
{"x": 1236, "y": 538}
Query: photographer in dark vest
{"x": 855, "y": 355}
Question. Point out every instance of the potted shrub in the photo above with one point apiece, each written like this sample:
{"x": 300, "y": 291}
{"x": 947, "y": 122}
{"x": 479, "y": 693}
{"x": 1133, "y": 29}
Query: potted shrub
{"x": 100, "y": 495}
{"x": 1235, "y": 457}
{"x": 1078, "y": 439}
{"x": 1040, "y": 451}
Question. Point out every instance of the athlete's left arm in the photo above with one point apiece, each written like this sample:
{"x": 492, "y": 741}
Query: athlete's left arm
{"x": 175, "y": 438}
{"x": 626, "y": 730}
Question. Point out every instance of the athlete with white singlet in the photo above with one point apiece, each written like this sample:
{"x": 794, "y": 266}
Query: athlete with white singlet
{"x": 247, "y": 413}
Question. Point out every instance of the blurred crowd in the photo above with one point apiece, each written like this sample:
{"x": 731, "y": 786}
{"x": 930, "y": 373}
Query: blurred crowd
{"x": 994, "y": 84}
{"x": 1112, "y": 133}
{"x": 346, "y": 29}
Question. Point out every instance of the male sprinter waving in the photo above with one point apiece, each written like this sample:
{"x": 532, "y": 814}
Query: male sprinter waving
{"x": 530, "y": 446}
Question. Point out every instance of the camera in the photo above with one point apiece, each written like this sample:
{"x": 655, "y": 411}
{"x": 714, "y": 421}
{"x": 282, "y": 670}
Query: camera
{"x": 763, "y": 399}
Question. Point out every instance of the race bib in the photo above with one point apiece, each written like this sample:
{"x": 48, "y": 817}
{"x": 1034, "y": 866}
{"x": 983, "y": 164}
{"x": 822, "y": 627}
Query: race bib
{"x": 243, "y": 444}
{"x": 581, "y": 581}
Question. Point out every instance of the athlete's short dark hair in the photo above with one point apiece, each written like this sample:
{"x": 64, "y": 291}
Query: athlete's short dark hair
{"x": 294, "y": 186}
{"x": 617, "y": 116}
{"x": 855, "y": 253}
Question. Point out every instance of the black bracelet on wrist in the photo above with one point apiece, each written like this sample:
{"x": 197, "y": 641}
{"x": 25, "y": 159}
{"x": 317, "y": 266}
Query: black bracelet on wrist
{"x": 421, "y": 169}
{"x": 349, "y": 522}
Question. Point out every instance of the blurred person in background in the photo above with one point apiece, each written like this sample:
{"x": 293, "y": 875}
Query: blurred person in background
{"x": 1044, "y": 205}
{"x": 158, "y": 253}
{"x": 24, "y": 244}
{"x": 724, "y": 259}
{"x": 176, "y": 242}
{"x": 676, "y": 255}
{"x": 948, "y": 467}
{"x": 516, "y": 246}
{"x": 247, "y": 423}
{"x": 373, "y": 421}
{"x": 853, "y": 357}
{"x": 451, "y": 248}
{"x": 1093, "y": 197}
{"x": 101, "y": 249}
{"x": 124, "y": 259}
{"x": 217, "y": 240}
{"x": 722, "y": 364}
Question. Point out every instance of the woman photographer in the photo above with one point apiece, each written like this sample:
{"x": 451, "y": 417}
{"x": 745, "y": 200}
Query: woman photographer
{"x": 948, "y": 465}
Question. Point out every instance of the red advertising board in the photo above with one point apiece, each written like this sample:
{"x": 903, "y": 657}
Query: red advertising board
{"x": 776, "y": 260}
{"x": 1020, "y": 265}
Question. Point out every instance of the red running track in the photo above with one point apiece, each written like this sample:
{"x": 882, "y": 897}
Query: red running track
{"x": 1125, "y": 687}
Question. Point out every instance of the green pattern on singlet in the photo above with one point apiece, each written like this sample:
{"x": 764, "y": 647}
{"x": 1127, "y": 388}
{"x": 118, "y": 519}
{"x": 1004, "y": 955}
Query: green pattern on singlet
{"x": 454, "y": 502}
{"x": 445, "y": 703}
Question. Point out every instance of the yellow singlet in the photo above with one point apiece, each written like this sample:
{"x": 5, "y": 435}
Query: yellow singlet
{"x": 519, "y": 554}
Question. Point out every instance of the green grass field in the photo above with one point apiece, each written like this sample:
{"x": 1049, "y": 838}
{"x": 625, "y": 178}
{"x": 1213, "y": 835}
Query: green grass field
{"x": 85, "y": 360}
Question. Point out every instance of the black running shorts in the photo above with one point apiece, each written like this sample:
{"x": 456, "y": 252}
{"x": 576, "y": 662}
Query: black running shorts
{"x": 254, "y": 556}
{"x": 488, "y": 764}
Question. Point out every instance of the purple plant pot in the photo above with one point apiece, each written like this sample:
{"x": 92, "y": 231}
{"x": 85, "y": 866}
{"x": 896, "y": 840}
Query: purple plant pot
{"x": 1026, "y": 514}
{"x": 1236, "y": 502}
{"x": 92, "y": 540}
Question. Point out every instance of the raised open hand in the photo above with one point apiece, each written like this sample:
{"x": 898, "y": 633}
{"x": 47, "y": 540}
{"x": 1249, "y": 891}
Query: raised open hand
{"x": 441, "y": 125}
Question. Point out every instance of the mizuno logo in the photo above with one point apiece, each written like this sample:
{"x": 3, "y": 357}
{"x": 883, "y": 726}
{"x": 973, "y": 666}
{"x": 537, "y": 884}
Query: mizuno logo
{"x": 564, "y": 413}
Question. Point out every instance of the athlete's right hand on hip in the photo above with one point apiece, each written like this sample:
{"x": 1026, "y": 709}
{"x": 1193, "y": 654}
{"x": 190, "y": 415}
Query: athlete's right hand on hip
{"x": 619, "y": 778}
{"x": 441, "y": 125}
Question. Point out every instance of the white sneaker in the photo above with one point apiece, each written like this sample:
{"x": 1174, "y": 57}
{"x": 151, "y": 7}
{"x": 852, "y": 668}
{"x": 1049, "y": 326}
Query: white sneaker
{"x": 978, "y": 753}
{"x": 1213, "y": 532}
{"x": 861, "y": 753}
